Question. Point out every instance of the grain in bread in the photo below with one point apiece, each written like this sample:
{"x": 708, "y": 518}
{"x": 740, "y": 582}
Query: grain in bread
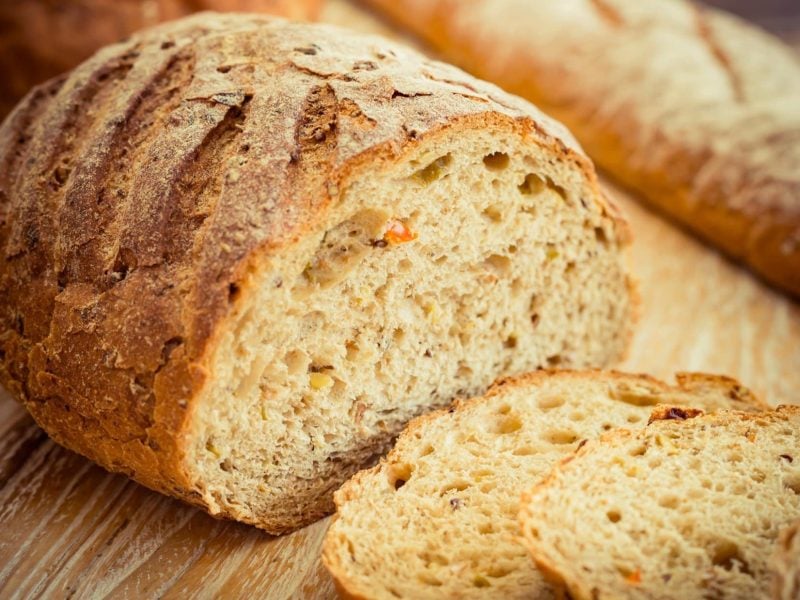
{"x": 785, "y": 564}
{"x": 438, "y": 517}
{"x": 238, "y": 254}
{"x": 40, "y": 39}
{"x": 689, "y": 507}
{"x": 693, "y": 108}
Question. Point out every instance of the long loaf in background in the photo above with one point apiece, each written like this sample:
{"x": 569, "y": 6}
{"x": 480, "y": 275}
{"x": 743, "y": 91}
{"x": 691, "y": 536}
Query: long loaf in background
{"x": 696, "y": 110}
{"x": 40, "y": 39}
{"x": 238, "y": 254}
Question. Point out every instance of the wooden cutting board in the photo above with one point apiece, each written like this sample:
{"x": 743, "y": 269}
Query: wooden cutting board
{"x": 69, "y": 529}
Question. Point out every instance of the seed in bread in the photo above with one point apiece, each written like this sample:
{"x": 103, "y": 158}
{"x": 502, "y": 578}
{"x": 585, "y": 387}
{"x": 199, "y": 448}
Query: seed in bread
{"x": 689, "y": 507}
{"x": 438, "y": 517}
{"x": 239, "y": 254}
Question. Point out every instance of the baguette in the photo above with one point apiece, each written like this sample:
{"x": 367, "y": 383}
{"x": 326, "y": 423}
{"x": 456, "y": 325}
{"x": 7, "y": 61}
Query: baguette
{"x": 689, "y": 106}
{"x": 39, "y": 39}
{"x": 438, "y": 517}
{"x": 238, "y": 254}
{"x": 689, "y": 507}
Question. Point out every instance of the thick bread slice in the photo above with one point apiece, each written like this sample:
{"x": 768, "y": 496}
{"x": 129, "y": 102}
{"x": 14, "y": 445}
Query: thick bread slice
{"x": 694, "y": 108}
{"x": 39, "y": 39}
{"x": 438, "y": 517}
{"x": 786, "y": 565}
{"x": 238, "y": 254}
{"x": 687, "y": 508}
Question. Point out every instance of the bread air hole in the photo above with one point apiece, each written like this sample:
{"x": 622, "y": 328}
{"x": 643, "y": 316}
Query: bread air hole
{"x": 793, "y": 484}
{"x": 532, "y": 185}
{"x": 498, "y": 264}
{"x": 508, "y": 424}
{"x": 427, "y": 451}
{"x": 560, "y": 436}
{"x": 638, "y": 450}
{"x": 496, "y": 161}
{"x": 457, "y": 486}
{"x": 434, "y": 170}
{"x": 428, "y": 579}
{"x": 670, "y": 502}
{"x": 524, "y": 451}
{"x": 614, "y": 516}
{"x": 635, "y": 397}
{"x": 496, "y": 572}
{"x": 296, "y": 362}
{"x": 551, "y": 402}
{"x": 727, "y": 555}
{"x": 493, "y": 213}
{"x": 399, "y": 475}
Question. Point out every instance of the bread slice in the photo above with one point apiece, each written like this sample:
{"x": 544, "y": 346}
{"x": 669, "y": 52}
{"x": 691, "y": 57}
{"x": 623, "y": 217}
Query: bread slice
{"x": 690, "y": 507}
{"x": 38, "y": 38}
{"x": 690, "y": 106}
{"x": 438, "y": 517}
{"x": 785, "y": 564}
{"x": 239, "y": 254}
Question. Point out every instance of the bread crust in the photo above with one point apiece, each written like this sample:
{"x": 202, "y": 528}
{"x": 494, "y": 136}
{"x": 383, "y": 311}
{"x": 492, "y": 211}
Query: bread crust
{"x": 139, "y": 193}
{"x": 685, "y": 383}
{"x": 577, "y": 587}
{"x": 26, "y": 61}
{"x": 691, "y": 107}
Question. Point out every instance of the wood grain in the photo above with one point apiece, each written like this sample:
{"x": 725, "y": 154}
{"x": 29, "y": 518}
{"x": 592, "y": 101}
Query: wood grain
{"x": 69, "y": 529}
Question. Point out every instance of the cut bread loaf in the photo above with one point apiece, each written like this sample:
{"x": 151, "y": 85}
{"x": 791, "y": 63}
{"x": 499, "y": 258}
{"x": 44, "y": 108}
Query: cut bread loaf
{"x": 786, "y": 565}
{"x": 690, "y": 507}
{"x": 39, "y": 38}
{"x": 693, "y": 108}
{"x": 239, "y": 254}
{"x": 438, "y": 517}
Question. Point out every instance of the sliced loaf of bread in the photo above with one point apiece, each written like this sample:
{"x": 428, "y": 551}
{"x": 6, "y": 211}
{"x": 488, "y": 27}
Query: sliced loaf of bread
{"x": 438, "y": 517}
{"x": 686, "y": 508}
{"x": 238, "y": 254}
{"x": 786, "y": 564}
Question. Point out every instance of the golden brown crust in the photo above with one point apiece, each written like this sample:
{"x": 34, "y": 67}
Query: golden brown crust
{"x": 138, "y": 193}
{"x": 692, "y": 108}
{"x": 74, "y": 30}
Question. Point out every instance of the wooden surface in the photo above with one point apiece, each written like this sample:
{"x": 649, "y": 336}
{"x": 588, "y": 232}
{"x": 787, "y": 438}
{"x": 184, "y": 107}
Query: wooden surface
{"x": 69, "y": 529}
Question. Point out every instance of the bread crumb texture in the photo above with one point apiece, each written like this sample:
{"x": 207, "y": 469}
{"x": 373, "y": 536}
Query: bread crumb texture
{"x": 438, "y": 517}
{"x": 686, "y": 508}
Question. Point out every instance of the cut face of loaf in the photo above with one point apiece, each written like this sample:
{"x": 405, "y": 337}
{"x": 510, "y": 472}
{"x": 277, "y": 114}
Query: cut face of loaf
{"x": 438, "y": 517}
{"x": 683, "y": 509}
{"x": 240, "y": 254}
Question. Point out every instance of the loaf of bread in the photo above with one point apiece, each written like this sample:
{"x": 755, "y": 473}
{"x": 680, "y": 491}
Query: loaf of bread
{"x": 689, "y": 106}
{"x": 438, "y": 517}
{"x": 239, "y": 254}
{"x": 690, "y": 507}
{"x": 786, "y": 564}
{"x": 42, "y": 38}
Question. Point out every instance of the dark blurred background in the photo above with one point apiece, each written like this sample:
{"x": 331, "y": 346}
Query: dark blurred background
{"x": 782, "y": 17}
